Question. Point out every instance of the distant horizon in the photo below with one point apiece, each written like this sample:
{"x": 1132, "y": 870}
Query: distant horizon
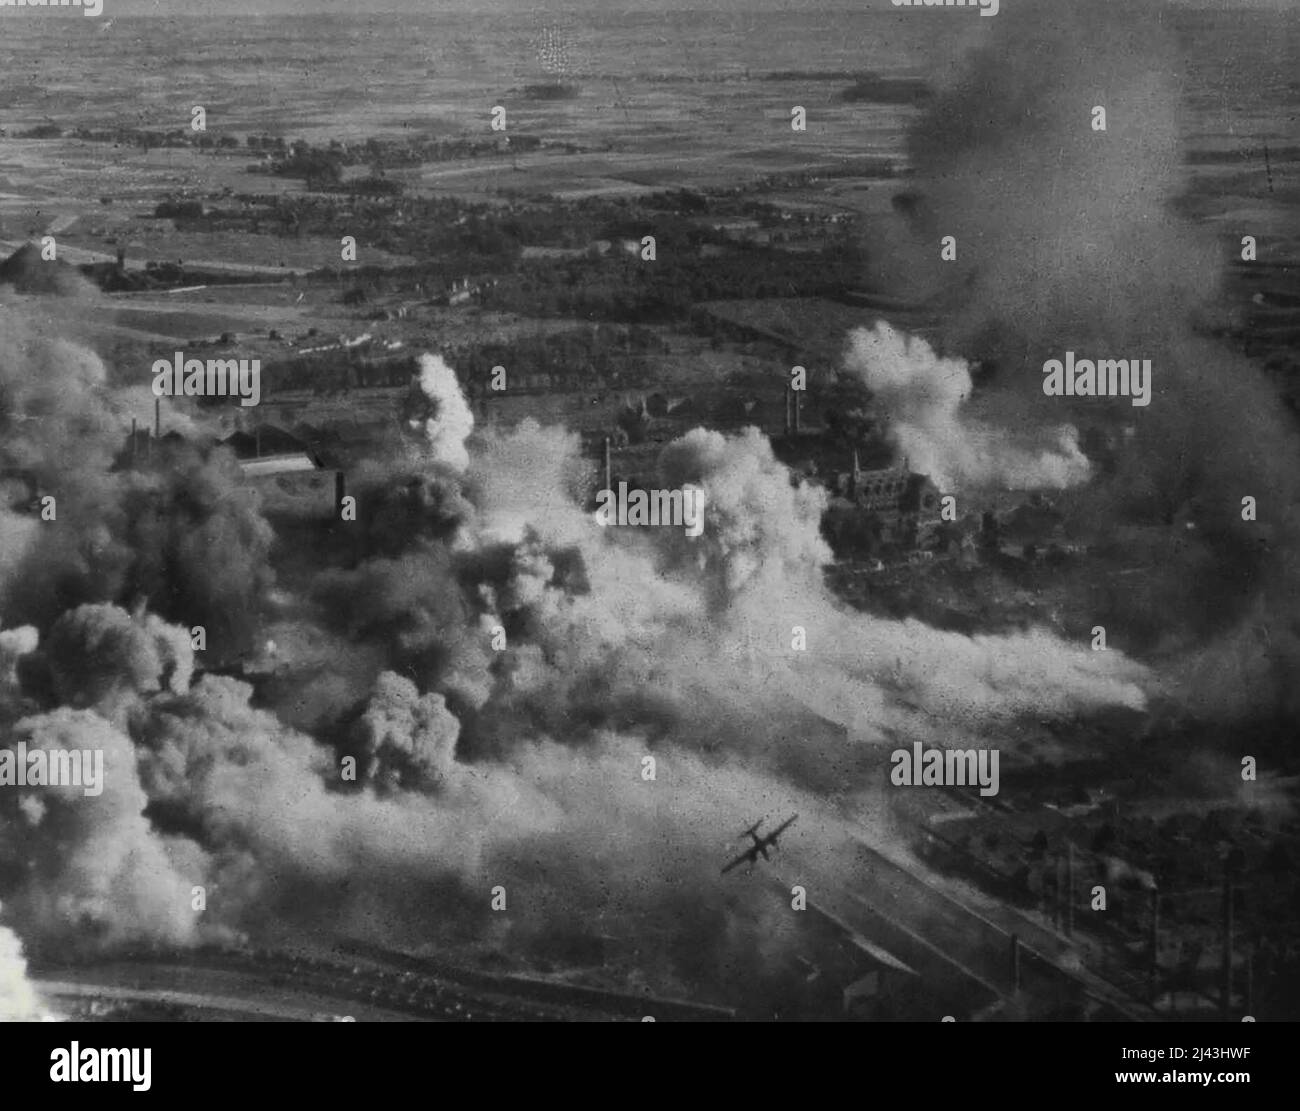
{"x": 531, "y": 8}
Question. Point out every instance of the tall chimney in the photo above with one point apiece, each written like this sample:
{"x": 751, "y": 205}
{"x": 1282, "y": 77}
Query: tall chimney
{"x": 340, "y": 490}
{"x": 789, "y": 424}
{"x": 609, "y": 475}
{"x": 796, "y": 410}
{"x": 157, "y": 416}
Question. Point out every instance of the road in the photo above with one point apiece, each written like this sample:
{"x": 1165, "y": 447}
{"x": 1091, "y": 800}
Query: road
{"x": 80, "y": 256}
{"x": 236, "y": 1007}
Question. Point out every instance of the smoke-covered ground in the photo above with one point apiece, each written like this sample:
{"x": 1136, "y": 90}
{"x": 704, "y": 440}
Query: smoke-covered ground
{"x": 516, "y": 763}
{"x": 473, "y": 672}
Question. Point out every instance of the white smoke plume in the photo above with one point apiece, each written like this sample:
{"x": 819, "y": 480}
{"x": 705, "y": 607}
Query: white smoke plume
{"x": 923, "y": 397}
{"x": 527, "y": 479}
{"x": 762, "y": 533}
{"x": 449, "y": 426}
{"x": 19, "y": 1001}
{"x": 689, "y": 630}
{"x": 95, "y": 871}
{"x": 14, "y": 644}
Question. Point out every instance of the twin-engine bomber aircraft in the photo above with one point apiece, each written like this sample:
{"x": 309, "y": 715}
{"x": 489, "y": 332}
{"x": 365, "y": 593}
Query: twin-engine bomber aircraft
{"x": 761, "y": 844}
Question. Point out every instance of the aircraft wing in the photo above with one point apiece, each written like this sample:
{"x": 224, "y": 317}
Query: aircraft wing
{"x": 782, "y": 828}
{"x": 747, "y": 855}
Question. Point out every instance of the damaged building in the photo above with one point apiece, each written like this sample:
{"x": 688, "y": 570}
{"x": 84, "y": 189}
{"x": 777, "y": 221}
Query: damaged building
{"x": 874, "y": 511}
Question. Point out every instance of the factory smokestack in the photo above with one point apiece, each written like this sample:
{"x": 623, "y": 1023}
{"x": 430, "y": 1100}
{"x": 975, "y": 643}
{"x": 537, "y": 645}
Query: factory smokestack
{"x": 157, "y": 417}
{"x": 609, "y": 478}
{"x": 340, "y": 490}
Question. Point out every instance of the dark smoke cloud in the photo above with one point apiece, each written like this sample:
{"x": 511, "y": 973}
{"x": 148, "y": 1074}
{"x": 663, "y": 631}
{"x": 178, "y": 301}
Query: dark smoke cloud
{"x": 185, "y": 536}
{"x": 1067, "y": 240}
{"x": 409, "y": 739}
{"x": 96, "y": 653}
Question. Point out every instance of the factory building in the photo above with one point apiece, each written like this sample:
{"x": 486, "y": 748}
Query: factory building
{"x": 268, "y": 451}
{"x": 902, "y": 507}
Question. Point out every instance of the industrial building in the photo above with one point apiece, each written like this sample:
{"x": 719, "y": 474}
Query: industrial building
{"x": 873, "y": 510}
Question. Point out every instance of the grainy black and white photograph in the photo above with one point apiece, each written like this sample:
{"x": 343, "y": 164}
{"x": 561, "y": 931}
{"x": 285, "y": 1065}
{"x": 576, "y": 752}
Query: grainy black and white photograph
{"x": 685, "y": 510}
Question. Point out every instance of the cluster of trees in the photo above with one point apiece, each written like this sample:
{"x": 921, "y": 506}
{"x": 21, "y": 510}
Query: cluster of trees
{"x": 574, "y": 359}
{"x": 623, "y": 287}
{"x": 265, "y": 142}
{"x": 326, "y": 164}
{"x": 333, "y": 371}
{"x": 205, "y": 141}
{"x": 129, "y": 136}
{"x": 463, "y": 238}
{"x": 316, "y": 166}
{"x": 179, "y": 210}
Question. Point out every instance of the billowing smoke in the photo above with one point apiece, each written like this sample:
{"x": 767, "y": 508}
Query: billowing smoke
{"x": 14, "y": 644}
{"x": 409, "y": 738}
{"x": 761, "y": 533}
{"x": 1068, "y": 239}
{"x": 1063, "y": 234}
{"x": 499, "y": 667}
{"x": 922, "y": 397}
{"x": 184, "y": 535}
{"x": 529, "y": 479}
{"x": 28, "y": 271}
{"x": 448, "y": 420}
{"x": 508, "y": 669}
{"x": 52, "y": 414}
{"x": 98, "y": 651}
{"x": 94, "y": 871}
